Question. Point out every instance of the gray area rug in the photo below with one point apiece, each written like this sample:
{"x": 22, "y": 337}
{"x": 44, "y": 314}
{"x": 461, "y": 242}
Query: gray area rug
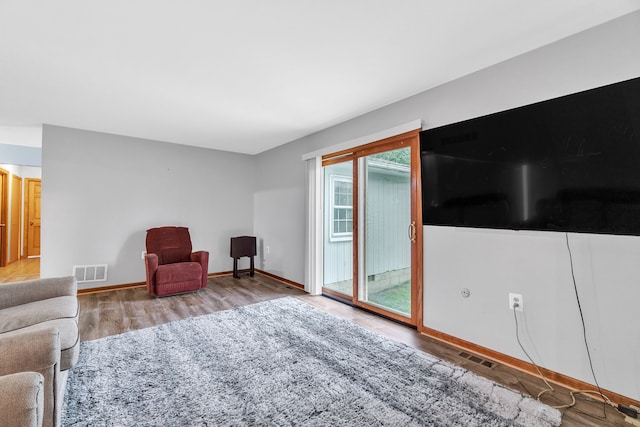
{"x": 280, "y": 363}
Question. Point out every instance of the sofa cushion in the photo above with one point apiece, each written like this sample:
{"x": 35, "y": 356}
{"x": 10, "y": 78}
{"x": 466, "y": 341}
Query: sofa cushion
{"x": 180, "y": 272}
{"x": 22, "y": 316}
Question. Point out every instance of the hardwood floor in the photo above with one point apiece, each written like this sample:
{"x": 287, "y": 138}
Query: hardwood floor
{"x": 21, "y": 270}
{"x": 587, "y": 412}
{"x": 113, "y": 312}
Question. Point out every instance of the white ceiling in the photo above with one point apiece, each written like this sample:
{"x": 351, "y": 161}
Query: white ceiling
{"x": 249, "y": 75}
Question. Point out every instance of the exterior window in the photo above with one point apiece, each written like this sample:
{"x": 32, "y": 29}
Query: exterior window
{"x": 341, "y": 208}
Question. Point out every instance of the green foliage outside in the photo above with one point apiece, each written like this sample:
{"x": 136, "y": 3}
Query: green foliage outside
{"x": 397, "y": 297}
{"x": 402, "y": 156}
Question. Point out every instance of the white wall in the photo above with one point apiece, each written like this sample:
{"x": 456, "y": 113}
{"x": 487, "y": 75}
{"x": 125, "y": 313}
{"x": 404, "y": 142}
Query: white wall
{"x": 21, "y": 155}
{"x": 492, "y": 263}
{"x": 279, "y": 203}
{"x": 26, "y": 135}
{"x": 100, "y": 192}
{"x": 537, "y": 265}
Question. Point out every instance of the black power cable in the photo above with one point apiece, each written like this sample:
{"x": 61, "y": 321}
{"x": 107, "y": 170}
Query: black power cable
{"x": 584, "y": 328}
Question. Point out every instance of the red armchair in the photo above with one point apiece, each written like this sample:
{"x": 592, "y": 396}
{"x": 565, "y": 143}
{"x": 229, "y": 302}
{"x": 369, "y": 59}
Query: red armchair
{"x": 171, "y": 267}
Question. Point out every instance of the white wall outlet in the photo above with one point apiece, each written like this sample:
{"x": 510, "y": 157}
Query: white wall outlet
{"x": 464, "y": 292}
{"x": 143, "y": 254}
{"x": 267, "y": 249}
{"x": 517, "y": 301}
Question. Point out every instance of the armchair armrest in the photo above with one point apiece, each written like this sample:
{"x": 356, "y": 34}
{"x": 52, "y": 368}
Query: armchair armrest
{"x": 151, "y": 265}
{"x": 13, "y": 294}
{"x": 37, "y": 349}
{"x": 22, "y": 402}
{"x": 202, "y": 258}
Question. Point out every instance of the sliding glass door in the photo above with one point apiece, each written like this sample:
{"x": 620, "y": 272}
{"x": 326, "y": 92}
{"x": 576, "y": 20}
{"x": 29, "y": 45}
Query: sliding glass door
{"x": 371, "y": 240}
{"x": 387, "y": 231}
{"x": 338, "y": 223}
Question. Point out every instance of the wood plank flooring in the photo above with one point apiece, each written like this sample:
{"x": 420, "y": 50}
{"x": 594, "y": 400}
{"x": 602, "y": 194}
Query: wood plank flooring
{"x": 21, "y": 270}
{"x": 117, "y": 311}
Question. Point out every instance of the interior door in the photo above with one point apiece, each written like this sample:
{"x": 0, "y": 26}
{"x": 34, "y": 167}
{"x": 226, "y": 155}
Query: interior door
{"x": 4, "y": 194}
{"x": 16, "y": 213}
{"x": 380, "y": 202}
{"x": 32, "y": 217}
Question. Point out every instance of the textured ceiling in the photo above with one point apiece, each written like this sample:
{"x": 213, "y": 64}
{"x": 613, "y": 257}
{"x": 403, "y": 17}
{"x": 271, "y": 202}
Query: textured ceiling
{"x": 248, "y": 75}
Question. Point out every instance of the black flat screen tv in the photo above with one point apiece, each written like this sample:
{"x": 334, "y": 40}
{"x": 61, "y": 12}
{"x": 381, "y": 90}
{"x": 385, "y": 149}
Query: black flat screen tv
{"x": 568, "y": 164}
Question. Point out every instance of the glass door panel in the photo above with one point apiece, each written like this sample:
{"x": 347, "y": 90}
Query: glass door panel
{"x": 385, "y": 194}
{"x": 338, "y": 229}
{"x": 372, "y": 246}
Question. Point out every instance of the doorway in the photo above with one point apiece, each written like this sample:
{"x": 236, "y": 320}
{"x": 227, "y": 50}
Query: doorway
{"x": 17, "y": 261}
{"x": 372, "y": 243}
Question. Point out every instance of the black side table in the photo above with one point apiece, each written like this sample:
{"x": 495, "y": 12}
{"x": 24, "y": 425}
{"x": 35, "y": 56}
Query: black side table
{"x": 243, "y": 246}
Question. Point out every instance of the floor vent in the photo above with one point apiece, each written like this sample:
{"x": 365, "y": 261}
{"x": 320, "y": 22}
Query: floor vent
{"x": 479, "y": 360}
{"x": 90, "y": 273}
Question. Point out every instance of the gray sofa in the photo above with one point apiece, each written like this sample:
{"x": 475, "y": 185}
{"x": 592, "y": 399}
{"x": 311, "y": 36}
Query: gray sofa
{"x": 39, "y": 343}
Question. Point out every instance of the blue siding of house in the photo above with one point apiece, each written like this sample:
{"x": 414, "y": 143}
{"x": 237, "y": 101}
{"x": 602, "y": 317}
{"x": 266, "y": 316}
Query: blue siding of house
{"x": 338, "y": 254}
{"x": 388, "y": 215}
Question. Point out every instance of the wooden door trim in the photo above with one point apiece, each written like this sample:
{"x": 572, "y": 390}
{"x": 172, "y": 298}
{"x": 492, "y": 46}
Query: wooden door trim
{"x": 369, "y": 148}
{"x": 25, "y": 234}
{"x": 4, "y": 243}
{"x": 18, "y": 207}
{"x": 416, "y": 191}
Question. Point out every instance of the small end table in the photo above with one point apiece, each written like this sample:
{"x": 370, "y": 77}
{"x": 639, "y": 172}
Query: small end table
{"x": 243, "y": 246}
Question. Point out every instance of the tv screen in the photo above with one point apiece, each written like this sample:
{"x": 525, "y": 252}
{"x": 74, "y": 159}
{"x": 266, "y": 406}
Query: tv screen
{"x": 567, "y": 164}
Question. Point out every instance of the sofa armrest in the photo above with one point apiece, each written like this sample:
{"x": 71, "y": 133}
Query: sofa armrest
{"x": 202, "y": 258}
{"x": 14, "y": 294}
{"x": 37, "y": 350}
{"x": 22, "y": 402}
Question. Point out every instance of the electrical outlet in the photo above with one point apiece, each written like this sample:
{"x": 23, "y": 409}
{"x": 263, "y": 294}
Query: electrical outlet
{"x": 143, "y": 254}
{"x": 517, "y": 301}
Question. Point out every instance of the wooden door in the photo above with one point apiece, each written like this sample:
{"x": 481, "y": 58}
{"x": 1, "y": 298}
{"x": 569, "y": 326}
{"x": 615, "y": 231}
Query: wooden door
{"x": 16, "y": 213}
{"x": 32, "y": 217}
{"x": 4, "y": 194}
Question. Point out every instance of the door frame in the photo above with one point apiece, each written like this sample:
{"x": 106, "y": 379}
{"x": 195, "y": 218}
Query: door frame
{"x": 16, "y": 219}
{"x": 408, "y": 139}
{"x": 4, "y": 203}
{"x": 25, "y": 234}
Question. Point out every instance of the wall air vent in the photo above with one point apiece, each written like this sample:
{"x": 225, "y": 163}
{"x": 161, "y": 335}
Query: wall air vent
{"x": 90, "y": 273}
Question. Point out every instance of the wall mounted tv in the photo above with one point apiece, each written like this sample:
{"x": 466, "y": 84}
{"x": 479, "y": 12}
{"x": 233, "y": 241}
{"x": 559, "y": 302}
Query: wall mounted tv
{"x": 568, "y": 164}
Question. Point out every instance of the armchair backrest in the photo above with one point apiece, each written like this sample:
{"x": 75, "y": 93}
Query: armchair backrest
{"x": 171, "y": 244}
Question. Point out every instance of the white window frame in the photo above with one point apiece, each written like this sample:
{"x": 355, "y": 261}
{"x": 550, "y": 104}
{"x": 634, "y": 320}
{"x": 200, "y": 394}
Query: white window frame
{"x": 335, "y": 236}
